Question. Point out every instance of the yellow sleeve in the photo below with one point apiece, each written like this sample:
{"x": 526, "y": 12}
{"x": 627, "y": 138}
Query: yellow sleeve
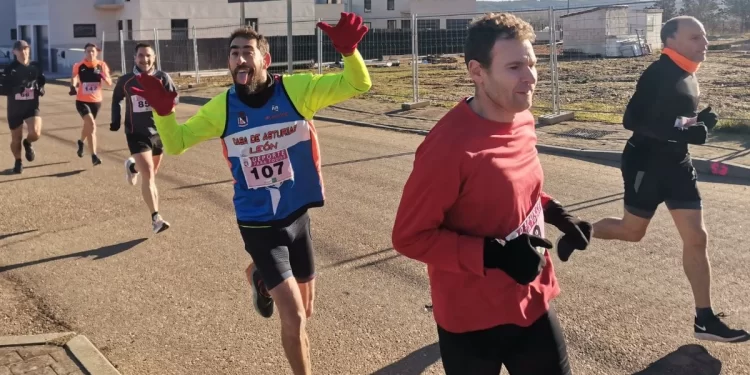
{"x": 208, "y": 123}
{"x": 312, "y": 92}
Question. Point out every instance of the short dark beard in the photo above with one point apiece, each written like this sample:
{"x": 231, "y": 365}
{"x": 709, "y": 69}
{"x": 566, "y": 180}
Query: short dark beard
{"x": 257, "y": 83}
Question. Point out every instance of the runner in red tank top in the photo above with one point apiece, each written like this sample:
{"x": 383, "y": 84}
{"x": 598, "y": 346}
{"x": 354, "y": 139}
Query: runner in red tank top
{"x": 473, "y": 210}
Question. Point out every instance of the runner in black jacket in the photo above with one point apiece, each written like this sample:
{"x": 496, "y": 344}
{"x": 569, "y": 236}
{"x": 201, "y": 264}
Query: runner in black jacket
{"x": 143, "y": 140}
{"x": 657, "y": 167}
{"x": 23, "y": 83}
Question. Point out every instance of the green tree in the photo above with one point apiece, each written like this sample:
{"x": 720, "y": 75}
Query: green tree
{"x": 669, "y": 7}
{"x": 706, "y": 11}
{"x": 741, "y": 10}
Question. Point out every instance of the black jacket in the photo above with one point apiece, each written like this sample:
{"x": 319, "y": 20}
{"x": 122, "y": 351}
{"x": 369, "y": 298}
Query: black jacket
{"x": 663, "y": 94}
{"x": 139, "y": 118}
{"x": 23, "y": 85}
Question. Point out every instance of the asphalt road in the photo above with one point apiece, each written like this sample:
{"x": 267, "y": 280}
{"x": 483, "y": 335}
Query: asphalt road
{"x": 79, "y": 240}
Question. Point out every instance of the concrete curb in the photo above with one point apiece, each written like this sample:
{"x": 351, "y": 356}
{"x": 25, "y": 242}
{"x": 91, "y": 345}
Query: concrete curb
{"x": 90, "y": 358}
{"x": 703, "y": 166}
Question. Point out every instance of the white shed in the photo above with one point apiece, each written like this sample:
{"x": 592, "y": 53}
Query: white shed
{"x": 647, "y": 23}
{"x": 590, "y": 31}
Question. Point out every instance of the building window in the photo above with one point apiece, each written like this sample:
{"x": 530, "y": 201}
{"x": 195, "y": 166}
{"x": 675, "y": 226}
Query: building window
{"x": 368, "y": 6}
{"x": 406, "y": 24}
{"x": 457, "y": 24}
{"x": 391, "y": 4}
{"x": 13, "y": 34}
{"x": 391, "y": 24}
{"x": 84, "y": 30}
{"x": 428, "y": 24}
{"x": 252, "y": 22}
{"x": 130, "y": 29}
{"x": 179, "y": 29}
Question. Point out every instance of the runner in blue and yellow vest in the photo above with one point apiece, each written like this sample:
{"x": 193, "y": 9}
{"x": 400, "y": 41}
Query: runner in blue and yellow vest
{"x": 271, "y": 147}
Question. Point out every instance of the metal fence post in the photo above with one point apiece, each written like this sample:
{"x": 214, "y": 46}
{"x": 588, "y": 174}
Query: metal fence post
{"x": 320, "y": 48}
{"x": 103, "y": 40}
{"x": 553, "y": 61}
{"x": 123, "y": 66}
{"x": 158, "y": 50}
{"x": 414, "y": 59}
{"x": 195, "y": 54}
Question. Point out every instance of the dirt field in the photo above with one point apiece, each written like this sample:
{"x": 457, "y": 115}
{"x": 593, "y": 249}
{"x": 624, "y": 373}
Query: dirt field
{"x": 596, "y": 89}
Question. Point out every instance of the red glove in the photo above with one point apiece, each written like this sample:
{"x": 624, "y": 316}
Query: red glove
{"x": 347, "y": 33}
{"x": 157, "y": 96}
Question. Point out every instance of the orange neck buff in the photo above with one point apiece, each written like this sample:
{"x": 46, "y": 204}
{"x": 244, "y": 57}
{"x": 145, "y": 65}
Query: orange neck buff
{"x": 683, "y": 62}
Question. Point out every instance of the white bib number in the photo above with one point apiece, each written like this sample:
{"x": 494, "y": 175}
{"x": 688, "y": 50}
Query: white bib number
{"x": 533, "y": 224}
{"x": 140, "y": 104}
{"x": 267, "y": 169}
{"x": 91, "y": 87}
{"x": 27, "y": 94}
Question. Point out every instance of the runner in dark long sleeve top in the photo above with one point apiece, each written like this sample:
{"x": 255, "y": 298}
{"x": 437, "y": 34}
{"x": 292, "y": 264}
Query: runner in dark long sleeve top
{"x": 657, "y": 168}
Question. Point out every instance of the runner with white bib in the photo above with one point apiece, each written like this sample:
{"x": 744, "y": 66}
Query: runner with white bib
{"x": 270, "y": 143}
{"x": 88, "y": 76}
{"x": 23, "y": 83}
{"x": 474, "y": 211}
{"x": 140, "y": 132}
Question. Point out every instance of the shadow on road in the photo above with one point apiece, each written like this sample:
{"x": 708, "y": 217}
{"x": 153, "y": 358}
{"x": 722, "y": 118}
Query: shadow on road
{"x": 4, "y": 236}
{"x": 414, "y": 363}
{"x": 100, "y": 253}
{"x": 350, "y": 260}
{"x": 59, "y": 175}
{"x": 687, "y": 360}
{"x": 194, "y": 100}
{"x": 368, "y": 159}
{"x": 44, "y": 165}
{"x": 203, "y": 184}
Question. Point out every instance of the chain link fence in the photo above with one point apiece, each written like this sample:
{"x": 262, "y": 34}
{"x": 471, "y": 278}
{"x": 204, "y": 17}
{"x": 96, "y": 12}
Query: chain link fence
{"x": 589, "y": 58}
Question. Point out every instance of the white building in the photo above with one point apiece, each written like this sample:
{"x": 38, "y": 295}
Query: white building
{"x": 611, "y": 31}
{"x": 431, "y": 14}
{"x": 65, "y": 24}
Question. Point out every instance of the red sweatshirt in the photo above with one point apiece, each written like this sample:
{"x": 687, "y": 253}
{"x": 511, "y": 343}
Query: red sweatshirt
{"x": 474, "y": 178}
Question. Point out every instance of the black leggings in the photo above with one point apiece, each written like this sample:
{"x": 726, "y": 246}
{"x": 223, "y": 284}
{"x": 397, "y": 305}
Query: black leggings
{"x": 535, "y": 350}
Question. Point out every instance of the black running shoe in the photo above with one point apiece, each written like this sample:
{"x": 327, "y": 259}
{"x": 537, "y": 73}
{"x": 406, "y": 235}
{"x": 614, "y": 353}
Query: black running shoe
{"x": 713, "y": 329}
{"x": 262, "y": 300}
{"x": 95, "y": 160}
{"x": 18, "y": 168}
{"x": 80, "y": 148}
{"x": 30, "y": 154}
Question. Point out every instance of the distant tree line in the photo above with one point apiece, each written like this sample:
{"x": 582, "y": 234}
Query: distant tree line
{"x": 716, "y": 15}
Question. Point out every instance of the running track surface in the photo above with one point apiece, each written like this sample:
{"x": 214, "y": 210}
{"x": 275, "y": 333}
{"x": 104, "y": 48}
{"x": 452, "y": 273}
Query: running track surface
{"x": 178, "y": 303}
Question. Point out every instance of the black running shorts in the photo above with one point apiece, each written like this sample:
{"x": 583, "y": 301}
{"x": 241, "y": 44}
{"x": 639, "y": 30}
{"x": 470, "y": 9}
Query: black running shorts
{"x": 84, "y": 108}
{"x": 652, "y": 178}
{"x": 138, "y": 143}
{"x": 534, "y": 350}
{"x": 281, "y": 252}
{"x": 16, "y": 120}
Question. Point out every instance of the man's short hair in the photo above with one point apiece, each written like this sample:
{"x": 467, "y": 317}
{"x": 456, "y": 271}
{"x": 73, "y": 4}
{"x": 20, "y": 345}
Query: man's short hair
{"x": 249, "y": 33}
{"x": 20, "y": 44}
{"x": 488, "y": 29}
{"x": 90, "y": 45}
{"x": 142, "y": 45}
{"x": 670, "y": 27}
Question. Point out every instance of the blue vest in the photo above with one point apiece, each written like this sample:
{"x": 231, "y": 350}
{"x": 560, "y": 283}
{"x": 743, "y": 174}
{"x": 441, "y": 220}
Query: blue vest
{"x": 272, "y": 152}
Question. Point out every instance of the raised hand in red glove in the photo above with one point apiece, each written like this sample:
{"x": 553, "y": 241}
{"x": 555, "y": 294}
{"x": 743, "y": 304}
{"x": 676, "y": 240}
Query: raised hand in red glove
{"x": 157, "y": 96}
{"x": 347, "y": 33}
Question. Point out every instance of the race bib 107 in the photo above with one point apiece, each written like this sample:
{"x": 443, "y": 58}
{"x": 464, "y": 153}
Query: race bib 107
{"x": 267, "y": 169}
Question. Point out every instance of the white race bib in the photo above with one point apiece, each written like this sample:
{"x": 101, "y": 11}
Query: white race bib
{"x": 27, "y": 94}
{"x": 533, "y": 224}
{"x": 267, "y": 169}
{"x": 140, "y": 104}
{"x": 90, "y": 87}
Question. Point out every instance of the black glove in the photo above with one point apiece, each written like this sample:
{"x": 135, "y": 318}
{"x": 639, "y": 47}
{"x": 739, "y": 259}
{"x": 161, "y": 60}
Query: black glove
{"x": 708, "y": 118}
{"x": 518, "y": 257}
{"x": 114, "y": 126}
{"x": 696, "y": 134}
{"x": 576, "y": 232}
{"x": 72, "y": 91}
{"x": 40, "y": 90}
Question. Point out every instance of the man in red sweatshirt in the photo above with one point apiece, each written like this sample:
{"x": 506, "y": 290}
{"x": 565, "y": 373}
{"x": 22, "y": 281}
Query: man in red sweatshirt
{"x": 473, "y": 210}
